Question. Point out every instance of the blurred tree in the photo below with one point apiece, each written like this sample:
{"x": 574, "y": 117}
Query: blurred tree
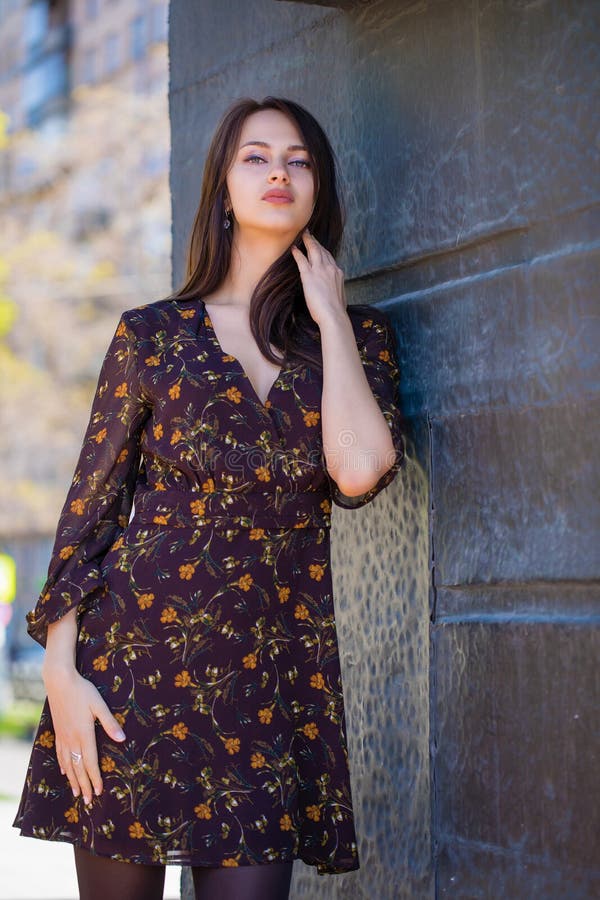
{"x": 85, "y": 232}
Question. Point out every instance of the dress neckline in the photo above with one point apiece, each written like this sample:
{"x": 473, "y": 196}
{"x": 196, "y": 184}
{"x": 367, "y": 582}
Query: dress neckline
{"x": 243, "y": 372}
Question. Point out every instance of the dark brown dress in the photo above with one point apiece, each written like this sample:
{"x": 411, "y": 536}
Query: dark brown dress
{"x": 206, "y": 618}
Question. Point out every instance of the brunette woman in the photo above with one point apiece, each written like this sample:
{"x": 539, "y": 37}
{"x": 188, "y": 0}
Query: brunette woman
{"x": 195, "y": 711}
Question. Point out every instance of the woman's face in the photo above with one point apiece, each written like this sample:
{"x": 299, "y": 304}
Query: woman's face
{"x": 275, "y": 163}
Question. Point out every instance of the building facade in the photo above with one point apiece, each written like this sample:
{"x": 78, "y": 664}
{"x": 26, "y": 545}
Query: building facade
{"x": 85, "y": 232}
{"x": 49, "y": 49}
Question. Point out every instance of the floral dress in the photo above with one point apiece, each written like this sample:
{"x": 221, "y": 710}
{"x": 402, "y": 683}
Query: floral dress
{"x": 195, "y": 544}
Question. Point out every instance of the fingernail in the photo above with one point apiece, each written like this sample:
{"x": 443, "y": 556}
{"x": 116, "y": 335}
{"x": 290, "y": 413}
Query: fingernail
{"x": 97, "y": 791}
{"x": 87, "y": 800}
{"x": 120, "y": 735}
{"x": 75, "y": 793}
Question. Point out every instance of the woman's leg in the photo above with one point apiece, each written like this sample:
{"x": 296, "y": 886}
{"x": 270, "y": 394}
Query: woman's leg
{"x": 270, "y": 881}
{"x": 102, "y": 878}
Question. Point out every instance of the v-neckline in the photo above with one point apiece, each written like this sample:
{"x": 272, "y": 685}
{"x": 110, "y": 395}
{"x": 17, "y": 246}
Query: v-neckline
{"x": 243, "y": 372}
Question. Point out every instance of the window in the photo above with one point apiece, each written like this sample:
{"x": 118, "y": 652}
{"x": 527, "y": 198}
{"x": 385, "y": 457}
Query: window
{"x": 111, "y": 53}
{"x": 36, "y": 25}
{"x": 89, "y": 66}
{"x": 137, "y": 35}
{"x": 42, "y": 83}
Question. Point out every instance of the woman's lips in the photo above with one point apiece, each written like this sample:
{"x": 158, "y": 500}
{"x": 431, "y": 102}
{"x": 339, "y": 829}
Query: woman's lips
{"x": 277, "y": 200}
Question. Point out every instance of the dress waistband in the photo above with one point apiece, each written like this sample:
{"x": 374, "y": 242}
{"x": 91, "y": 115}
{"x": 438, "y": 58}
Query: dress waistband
{"x": 253, "y": 509}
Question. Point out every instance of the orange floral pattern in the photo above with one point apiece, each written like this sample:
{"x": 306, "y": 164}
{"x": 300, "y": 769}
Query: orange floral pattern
{"x": 46, "y": 739}
{"x": 194, "y": 542}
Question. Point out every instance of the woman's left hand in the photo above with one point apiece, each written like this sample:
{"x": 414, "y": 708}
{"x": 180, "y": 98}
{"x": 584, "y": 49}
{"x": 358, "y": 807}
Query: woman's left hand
{"x": 322, "y": 279}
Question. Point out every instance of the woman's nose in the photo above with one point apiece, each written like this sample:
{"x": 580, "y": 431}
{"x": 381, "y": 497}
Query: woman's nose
{"x": 279, "y": 169}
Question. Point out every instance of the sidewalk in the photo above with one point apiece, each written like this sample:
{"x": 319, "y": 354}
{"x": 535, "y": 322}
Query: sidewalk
{"x": 33, "y": 869}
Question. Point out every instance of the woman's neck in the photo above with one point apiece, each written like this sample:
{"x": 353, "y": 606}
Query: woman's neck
{"x": 251, "y": 256}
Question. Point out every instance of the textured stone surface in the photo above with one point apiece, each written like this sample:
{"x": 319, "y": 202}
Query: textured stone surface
{"x": 518, "y": 334}
{"x": 517, "y": 718}
{"x": 514, "y": 494}
{"x": 466, "y": 137}
{"x": 473, "y": 872}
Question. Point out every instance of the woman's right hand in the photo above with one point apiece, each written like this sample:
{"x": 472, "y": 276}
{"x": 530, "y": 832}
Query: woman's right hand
{"x": 75, "y": 704}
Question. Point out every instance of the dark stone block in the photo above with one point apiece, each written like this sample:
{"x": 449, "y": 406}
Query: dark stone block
{"x": 523, "y": 334}
{"x": 515, "y": 750}
{"x": 468, "y": 872}
{"x": 209, "y": 38}
{"x": 515, "y": 495}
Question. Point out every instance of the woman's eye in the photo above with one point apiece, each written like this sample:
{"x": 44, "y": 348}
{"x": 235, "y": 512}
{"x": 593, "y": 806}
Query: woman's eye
{"x": 302, "y": 162}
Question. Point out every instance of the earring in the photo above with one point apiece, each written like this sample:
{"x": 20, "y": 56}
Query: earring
{"x": 227, "y": 223}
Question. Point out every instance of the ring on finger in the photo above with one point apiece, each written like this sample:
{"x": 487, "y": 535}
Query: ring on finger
{"x": 76, "y": 756}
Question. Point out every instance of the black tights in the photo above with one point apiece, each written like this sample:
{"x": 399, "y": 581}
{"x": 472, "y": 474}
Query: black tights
{"x": 101, "y": 877}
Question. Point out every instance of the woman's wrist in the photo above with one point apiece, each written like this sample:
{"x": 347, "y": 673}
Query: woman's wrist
{"x": 57, "y": 668}
{"x": 59, "y": 658}
{"x": 334, "y": 320}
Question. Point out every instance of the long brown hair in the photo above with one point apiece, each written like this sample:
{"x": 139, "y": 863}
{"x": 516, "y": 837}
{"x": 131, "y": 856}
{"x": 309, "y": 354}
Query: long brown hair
{"x": 278, "y": 311}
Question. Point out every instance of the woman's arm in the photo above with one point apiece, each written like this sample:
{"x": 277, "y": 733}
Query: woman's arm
{"x": 357, "y": 443}
{"x": 95, "y": 512}
{"x": 61, "y": 641}
{"x": 363, "y": 444}
{"x": 99, "y": 499}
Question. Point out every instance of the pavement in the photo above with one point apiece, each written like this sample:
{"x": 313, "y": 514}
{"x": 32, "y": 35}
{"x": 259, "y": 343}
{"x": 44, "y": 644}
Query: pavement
{"x": 34, "y": 869}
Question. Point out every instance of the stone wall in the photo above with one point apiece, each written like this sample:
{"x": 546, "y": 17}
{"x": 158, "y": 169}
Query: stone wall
{"x": 467, "y": 593}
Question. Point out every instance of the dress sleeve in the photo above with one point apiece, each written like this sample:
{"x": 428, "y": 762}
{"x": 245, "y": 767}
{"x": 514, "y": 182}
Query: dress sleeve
{"x": 100, "y": 497}
{"x": 377, "y": 348}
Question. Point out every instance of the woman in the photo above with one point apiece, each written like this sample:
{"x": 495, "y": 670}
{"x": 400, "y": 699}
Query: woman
{"x": 194, "y": 710}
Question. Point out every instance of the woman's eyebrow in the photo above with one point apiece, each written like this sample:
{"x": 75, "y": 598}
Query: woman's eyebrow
{"x": 264, "y": 144}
